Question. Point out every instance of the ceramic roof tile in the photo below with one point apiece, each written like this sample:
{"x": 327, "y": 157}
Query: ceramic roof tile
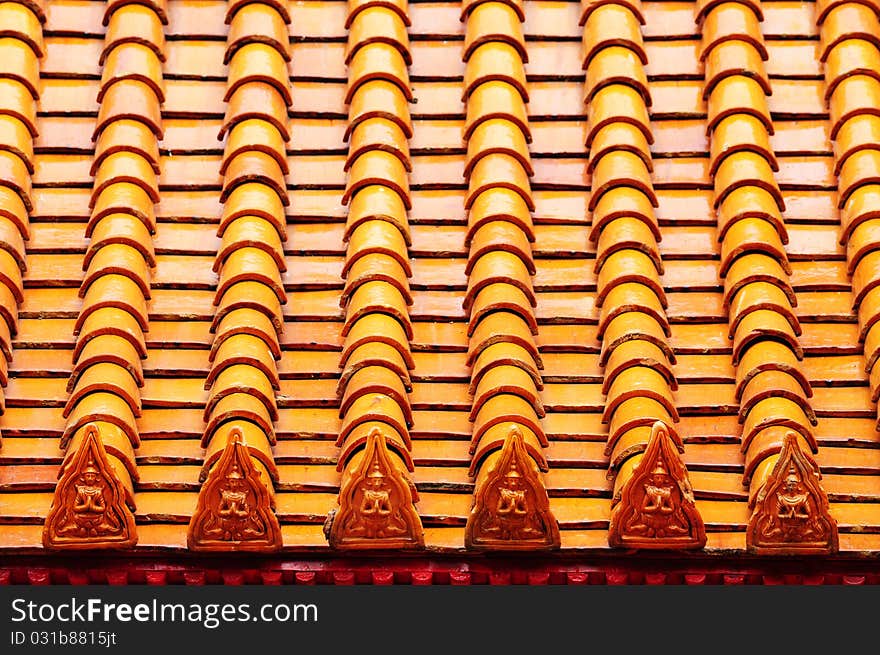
{"x": 374, "y": 384}
{"x": 766, "y": 406}
{"x": 243, "y": 381}
{"x": 376, "y": 290}
{"x": 23, "y": 44}
{"x": 627, "y": 285}
{"x": 506, "y": 406}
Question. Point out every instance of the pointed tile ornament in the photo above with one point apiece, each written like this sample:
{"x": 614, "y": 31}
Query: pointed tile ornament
{"x": 376, "y": 504}
{"x": 791, "y": 513}
{"x": 235, "y": 508}
{"x": 511, "y": 509}
{"x": 89, "y": 509}
{"x": 656, "y": 508}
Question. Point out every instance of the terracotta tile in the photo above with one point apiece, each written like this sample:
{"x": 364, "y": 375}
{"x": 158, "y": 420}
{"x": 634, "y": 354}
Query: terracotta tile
{"x": 497, "y": 136}
{"x": 359, "y": 5}
{"x": 127, "y": 168}
{"x": 256, "y": 99}
{"x": 740, "y": 133}
{"x": 846, "y": 21}
{"x": 257, "y": 23}
{"x": 123, "y": 198}
{"x": 159, "y": 6}
{"x": 752, "y": 235}
{"x": 133, "y": 100}
{"x": 377, "y": 202}
{"x": 14, "y": 175}
{"x": 502, "y": 327}
{"x": 17, "y": 139}
{"x": 21, "y": 22}
{"x": 732, "y": 21}
{"x": 378, "y": 167}
{"x": 378, "y": 61}
{"x": 616, "y": 65}
{"x": 497, "y": 170}
{"x": 612, "y": 24}
{"x": 373, "y": 354}
{"x": 499, "y": 203}
{"x": 494, "y": 22}
{"x": 746, "y": 169}
{"x": 377, "y": 268}
{"x": 105, "y": 377}
{"x": 108, "y": 348}
{"x": 849, "y": 58}
{"x": 769, "y": 356}
{"x": 126, "y": 136}
{"x": 253, "y": 199}
{"x": 117, "y": 259}
{"x": 377, "y": 237}
{"x": 133, "y": 61}
{"x": 441, "y": 234}
{"x": 848, "y": 100}
{"x": 247, "y": 349}
{"x": 375, "y": 296}
{"x": 101, "y": 406}
{"x": 134, "y": 24}
{"x": 379, "y": 99}
{"x": 501, "y": 296}
{"x": 617, "y": 103}
{"x": 381, "y": 134}
{"x": 253, "y": 166}
{"x": 495, "y": 99}
{"x": 250, "y": 232}
{"x": 632, "y": 297}
{"x": 485, "y": 62}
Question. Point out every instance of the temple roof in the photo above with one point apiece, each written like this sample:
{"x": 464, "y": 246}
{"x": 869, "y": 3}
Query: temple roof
{"x": 498, "y": 275}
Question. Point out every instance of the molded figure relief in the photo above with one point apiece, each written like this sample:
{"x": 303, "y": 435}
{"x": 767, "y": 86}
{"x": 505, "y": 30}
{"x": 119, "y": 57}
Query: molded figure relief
{"x": 791, "y": 513}
{"x": 89, "y": 509}
{"x": 656, "y": 507}
{"x": 511, "y": 508}
{"x": 375, "y": 504}
{"x": 235, "y": 510}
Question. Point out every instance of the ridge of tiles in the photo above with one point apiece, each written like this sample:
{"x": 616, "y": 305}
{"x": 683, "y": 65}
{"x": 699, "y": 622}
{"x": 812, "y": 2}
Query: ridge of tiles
{"x": 377, "y": 497}
{"x": 236, "y": 503}
{"x": 105, "y": 384}
{"x": 511, "y": 509}
{"x": 789, "y": 507}
{"x": 21, "y": 49}
{"x": 850, "y": 35}
{"x": 653, "y": 501}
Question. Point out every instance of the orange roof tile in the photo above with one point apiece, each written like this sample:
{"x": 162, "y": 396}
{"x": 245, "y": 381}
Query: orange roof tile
{"x": 490, "y": 275}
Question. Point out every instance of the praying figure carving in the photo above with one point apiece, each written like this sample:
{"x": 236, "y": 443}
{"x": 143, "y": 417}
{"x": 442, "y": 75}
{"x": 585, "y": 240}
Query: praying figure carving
{"x": 656, "y": 507}
{"x": 89, "y": 507}
{"x": 375, "y": 503}
{"x": 791, "y": 510}
{"x": 511, "y": 508}
{"x": 233, "y": 520}
{"x": 88, "y": 517}
{"x": 235, "y": 510}
{"x": 661, "y": 512}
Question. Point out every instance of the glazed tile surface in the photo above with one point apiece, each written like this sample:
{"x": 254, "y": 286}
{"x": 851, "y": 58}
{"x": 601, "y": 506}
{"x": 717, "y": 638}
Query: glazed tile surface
{"x": 443, "y": 276}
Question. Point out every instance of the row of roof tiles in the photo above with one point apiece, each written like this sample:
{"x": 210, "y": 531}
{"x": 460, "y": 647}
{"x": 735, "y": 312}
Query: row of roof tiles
{"x": 505, "y": 361}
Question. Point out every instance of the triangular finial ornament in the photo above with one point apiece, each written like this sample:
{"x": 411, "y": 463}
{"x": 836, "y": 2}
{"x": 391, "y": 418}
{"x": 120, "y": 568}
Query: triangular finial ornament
{"x": 89, "y": 509}
{"x": 790, "y": 513}
{"x": 511, "y": 508}
{"x": 235, "y": 511}
{"x": 656, "y": 508}
{"x": 376, "y": 504}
